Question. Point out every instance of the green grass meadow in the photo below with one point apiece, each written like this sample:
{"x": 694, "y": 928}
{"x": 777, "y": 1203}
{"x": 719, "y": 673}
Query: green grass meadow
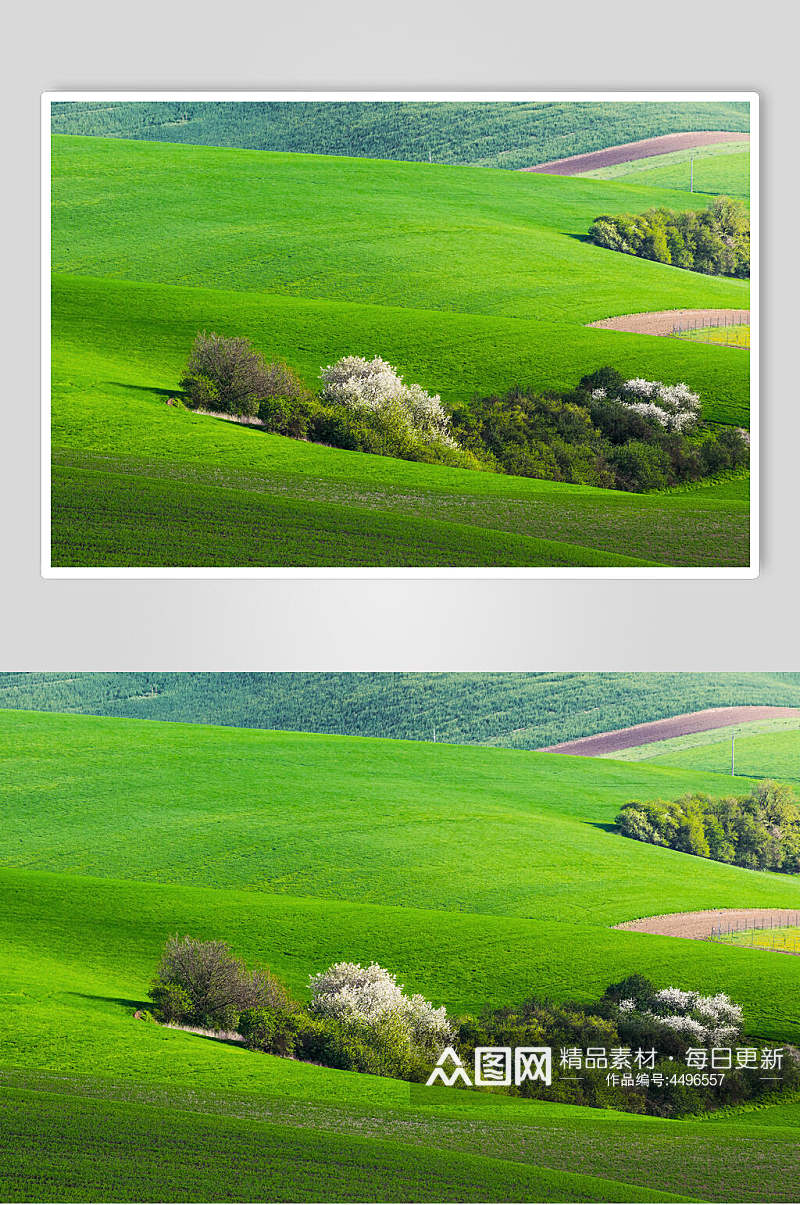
{"x": 719, "y": 169}
{"x": 768, "y": 749}
{"x": 479, "y": 875}
{"x": 469, "y": 280}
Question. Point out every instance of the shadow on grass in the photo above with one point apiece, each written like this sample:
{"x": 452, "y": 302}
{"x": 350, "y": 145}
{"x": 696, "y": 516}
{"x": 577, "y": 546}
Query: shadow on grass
{"x": 607, "y": 828}
{"x": 178, "y": 393}
{"x": 123, "y": 1003}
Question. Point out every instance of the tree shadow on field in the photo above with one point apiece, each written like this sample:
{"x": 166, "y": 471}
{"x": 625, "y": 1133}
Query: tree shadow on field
{"x": 607, "y": 828}
{"x": 134, "y": 1004}
{"x": 146, "y": 389}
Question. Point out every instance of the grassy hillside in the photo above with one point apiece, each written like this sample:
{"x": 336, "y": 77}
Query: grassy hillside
{"x": 470, "y": 282}
{"x": 763, "y": 751}
{"x": 499, "y": 134}
{"x": 303, "y": 849}
{"x": 524, "y": 711}
{"x": 376, "y": 825}
{"x": 721, "y": 169}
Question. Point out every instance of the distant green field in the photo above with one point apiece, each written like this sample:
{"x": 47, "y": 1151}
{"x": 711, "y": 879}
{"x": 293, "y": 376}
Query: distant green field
{"x": 479, "y": 875}
{"x": 766, "y": 751}
{"x": 493, "y": 288}
{"x": 723, "y": 168}
{"x": 516, "y": 710}
{"x": 508, "y": 134}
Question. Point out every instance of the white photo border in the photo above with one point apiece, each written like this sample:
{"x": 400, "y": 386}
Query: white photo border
{"x": 48, "y": 570}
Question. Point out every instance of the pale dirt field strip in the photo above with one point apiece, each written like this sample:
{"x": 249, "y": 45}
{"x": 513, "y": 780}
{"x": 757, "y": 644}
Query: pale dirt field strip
{"x": 698, "y": 925}
{"x": 661, "y": 730}
{"x": 625, "y": 152}
{"x": 663, "y": 322}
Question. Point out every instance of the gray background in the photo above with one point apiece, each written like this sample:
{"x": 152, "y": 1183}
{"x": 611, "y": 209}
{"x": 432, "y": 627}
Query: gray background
{"x": 401, "y": 624}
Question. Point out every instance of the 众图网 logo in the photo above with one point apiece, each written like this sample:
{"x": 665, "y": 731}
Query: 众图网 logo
{"x": 495, "y": 1066}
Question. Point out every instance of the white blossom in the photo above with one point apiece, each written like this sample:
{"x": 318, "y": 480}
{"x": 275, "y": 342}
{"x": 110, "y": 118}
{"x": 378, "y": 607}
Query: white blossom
{"x": 718, "y": 1008}
{"x": 641, "y": 387}
{"x": 686, "y": 1026}
{"x": 598, "y": 395}
{"x": 674, "y": 997}
{"x": 349, "y": 992}
{"x": 364, "y": 385}
{"x": 650, "y": 410}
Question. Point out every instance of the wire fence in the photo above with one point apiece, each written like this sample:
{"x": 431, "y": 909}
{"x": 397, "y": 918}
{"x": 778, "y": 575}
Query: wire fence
{"x": 771, "y": 931}
{"x": 731, "y": 331}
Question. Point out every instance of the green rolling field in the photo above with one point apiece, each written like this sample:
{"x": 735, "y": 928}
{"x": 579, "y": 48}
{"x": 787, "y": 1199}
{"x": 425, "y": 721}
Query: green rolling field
{"x": 506, "y": 134}
{"x": 470, "y": 281}
{"x": 769, "y": 749}
{"x": 515, "y": 710}
{"x": 301, "y": 849}
{"x": 721, "y": 169}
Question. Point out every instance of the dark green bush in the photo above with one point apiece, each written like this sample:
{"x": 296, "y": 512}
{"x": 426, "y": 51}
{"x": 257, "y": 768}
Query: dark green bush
{"x": 760, "y": 830}
{"x": 203, "y": 983}
{"x": 171, "y": 1003}
{"x": 715, "y": 240}
{"x": 230, "y": 376}
{"x": 594, "y": 440}
{"x": 273, "y": 1030}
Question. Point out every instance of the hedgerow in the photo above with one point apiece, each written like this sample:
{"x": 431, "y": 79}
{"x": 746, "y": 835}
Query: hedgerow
{"x": 759, "y": 830}
{"x": 611, "y": 432}
{"x": 715, "y": 241}
{"x": 360, "y": 1019}
{"x": 632, "y": 435}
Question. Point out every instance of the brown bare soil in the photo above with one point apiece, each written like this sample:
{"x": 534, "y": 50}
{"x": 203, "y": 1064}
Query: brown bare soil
{"x": 698, "y": 925}
{"x": 663, "y": 322}
{"x": 664, "y": 730}
{"x": 626, "y": 152}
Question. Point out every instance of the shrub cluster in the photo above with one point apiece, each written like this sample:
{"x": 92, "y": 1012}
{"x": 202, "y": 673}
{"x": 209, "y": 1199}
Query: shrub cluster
{"x": 364, "y": 405}
{"x": 230, "y": 377}
{"x": 622, "y": 434}
{"x": 203, "y": 983}
{"x": 358, "y": 1019}
{"x": 610, "y": 432}
{"x": 760, "y": 830}
{"x": 714, "y": 240}
{"x": 374, "y": 387}
{"x": 632, "y": 1015}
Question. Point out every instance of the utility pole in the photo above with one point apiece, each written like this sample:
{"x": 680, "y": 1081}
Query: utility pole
{"x": 434, "y": 734}
{"x": 733, "y": 755}
{"x": 691, "y": 175}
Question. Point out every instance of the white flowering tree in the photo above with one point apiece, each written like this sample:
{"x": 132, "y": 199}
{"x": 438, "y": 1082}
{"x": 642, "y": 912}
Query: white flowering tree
{"x": 707, "y": 1020}
{"x": 674, "y": 407}
{"x": 374, "y": 385}
{"x": 372, "y": 996}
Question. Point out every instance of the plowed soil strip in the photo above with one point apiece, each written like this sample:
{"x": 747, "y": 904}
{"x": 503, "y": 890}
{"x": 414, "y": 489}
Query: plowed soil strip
{"x": 664, "y": 730}
{"x": 698, "y": 925}
{"x": 664, "y": 322}
{"x": 626, "y": 152}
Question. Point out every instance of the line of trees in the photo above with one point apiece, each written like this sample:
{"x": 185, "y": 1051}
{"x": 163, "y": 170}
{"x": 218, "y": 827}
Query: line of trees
{"x": 358, "y": 1018}
{"x": 632, "y": 435}
{"x": 760, "y": 830}
{"x": 610, "y": 432}
{"x": 715, "y": 240}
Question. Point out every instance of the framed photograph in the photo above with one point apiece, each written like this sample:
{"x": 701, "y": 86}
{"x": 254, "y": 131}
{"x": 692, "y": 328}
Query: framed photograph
{"x": 476, "y": 334}
{"x": 400, "y": 937}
